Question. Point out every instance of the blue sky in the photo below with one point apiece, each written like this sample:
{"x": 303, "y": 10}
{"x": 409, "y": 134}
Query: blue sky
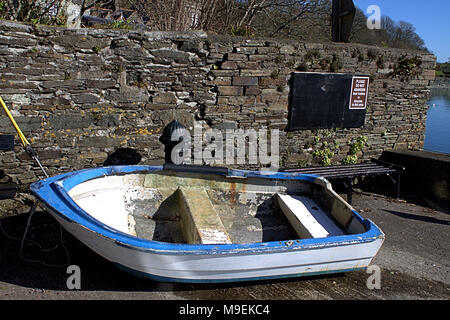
{"x": 430, "y": 17}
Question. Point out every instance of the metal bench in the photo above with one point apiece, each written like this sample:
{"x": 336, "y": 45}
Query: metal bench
{"x": 349, "y": 172}
{"x": 7, "y": 190}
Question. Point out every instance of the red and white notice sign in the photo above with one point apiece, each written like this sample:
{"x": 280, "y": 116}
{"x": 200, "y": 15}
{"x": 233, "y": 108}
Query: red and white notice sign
{"x": 359, "y": 93}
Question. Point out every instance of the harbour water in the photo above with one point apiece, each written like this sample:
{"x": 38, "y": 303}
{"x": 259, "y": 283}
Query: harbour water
{"x": 437, "y": 135}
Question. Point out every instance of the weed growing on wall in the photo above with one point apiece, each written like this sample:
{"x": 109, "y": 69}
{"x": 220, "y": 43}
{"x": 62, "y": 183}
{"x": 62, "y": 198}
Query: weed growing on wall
{"x": 355, "y": 147}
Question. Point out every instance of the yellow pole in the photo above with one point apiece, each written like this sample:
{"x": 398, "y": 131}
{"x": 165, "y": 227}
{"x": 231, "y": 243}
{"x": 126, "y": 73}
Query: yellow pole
{"x": 8, "y": 113}
{"x": 28, "y": 148}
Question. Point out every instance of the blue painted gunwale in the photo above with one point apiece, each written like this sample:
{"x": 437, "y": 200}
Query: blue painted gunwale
{"x": 53, "y": 193}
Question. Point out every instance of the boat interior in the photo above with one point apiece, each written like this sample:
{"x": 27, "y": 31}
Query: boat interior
{"x": 182, "y": 207}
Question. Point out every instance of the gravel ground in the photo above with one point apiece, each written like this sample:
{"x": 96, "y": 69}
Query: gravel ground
{"x": 414, "y": 263}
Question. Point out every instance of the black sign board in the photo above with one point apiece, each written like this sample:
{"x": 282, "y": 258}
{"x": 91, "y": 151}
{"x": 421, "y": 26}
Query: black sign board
{"x": 328, "y": 100}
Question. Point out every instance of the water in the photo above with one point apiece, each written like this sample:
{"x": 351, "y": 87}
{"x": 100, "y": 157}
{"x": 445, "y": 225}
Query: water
{"x": 437, "y": 134}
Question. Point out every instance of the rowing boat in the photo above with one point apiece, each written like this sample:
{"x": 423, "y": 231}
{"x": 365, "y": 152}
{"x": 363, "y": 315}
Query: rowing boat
{"x": 207, "y": 224}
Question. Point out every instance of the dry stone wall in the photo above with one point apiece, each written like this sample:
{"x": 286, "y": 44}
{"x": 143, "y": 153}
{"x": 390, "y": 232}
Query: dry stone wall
{"x": 78, "y": 95}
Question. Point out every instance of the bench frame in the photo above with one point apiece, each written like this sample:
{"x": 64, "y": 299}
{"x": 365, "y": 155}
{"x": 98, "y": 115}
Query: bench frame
{"x": 349, "y": 172}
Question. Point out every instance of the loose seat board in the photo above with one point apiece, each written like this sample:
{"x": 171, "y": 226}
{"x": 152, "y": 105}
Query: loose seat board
{"x": 307, "y": 218}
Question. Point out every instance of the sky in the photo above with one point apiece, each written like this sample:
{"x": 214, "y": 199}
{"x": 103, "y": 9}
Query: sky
{"x": 431, "y": 18}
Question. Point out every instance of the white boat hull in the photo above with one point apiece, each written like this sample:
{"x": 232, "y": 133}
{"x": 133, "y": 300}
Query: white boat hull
{"x": 226, "y": 267}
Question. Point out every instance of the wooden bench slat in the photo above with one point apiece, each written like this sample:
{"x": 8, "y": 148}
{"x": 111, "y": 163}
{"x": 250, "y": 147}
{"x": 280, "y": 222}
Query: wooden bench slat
{"x": 346, "y": 166}
{"x": 375, "y": 167}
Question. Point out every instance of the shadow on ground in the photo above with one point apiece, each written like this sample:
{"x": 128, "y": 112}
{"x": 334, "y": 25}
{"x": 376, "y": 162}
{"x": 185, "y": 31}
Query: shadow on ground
{"x": 382, "y": 185}
{"x": 418, "y": 217}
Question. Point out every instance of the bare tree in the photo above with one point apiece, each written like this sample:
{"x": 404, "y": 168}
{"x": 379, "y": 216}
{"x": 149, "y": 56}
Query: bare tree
{"x": 176, "y": 14}
{"x": 293, "y": 8}
{"x": 43, "y": 11}
{"x": 221, "y": 15}
{"x": 405, "y": 36}
{"x": 392, "y": 34}
{"x": 304, "y": 19}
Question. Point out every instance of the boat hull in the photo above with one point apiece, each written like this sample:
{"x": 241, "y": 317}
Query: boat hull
{"x": 222, "y": 267}
{"x": 212, "y": 263}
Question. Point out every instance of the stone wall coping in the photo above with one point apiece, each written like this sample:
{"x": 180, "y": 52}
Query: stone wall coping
{"x": 201, "y": 35}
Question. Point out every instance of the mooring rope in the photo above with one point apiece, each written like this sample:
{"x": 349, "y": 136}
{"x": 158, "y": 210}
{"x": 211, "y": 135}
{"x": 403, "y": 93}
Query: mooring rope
{"x": 32, "y": 211}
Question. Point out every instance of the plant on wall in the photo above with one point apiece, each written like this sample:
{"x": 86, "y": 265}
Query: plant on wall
{"x": 241, "y": 31}
{"x": 336, "y": 63}
{"x": 327, "y": 150}
{"x": 355, "y": 147}
{"x": 324, "y": 156}
{"x": 406, "y": 67}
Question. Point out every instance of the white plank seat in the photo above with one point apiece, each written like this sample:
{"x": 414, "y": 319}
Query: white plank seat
{"x": 307, "y": 218}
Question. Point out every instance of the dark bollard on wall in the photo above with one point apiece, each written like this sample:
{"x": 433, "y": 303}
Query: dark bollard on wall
{"x": 169, "y": 140}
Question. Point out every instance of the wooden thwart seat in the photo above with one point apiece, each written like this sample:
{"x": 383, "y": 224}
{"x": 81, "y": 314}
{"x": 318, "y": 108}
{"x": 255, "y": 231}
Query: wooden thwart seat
{"x": 307, "y": 218}
{"x": 200, "y": 222}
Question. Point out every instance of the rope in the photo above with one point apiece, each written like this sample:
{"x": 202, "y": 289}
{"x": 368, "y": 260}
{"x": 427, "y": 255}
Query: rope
{"x": 32, "y": 211}
{"x": 23, "y": 239}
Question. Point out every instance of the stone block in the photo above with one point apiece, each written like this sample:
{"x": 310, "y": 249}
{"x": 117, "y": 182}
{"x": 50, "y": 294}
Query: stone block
{"x": 429, "y": 74}
{"x": 85, "y": 98}
{"x": 65, "y": 84}
{"x": 49, "y": 154}
{"x": 237, "y": 57}
{"x": 245, "y": 81}
{"x": 254, "y": 43}
{"x": 252, "y": 91}
{"x": 278, "y": 106}
{"x": 266, "y": 50}
{"x": 165, "y": 98}
{"x": 169, "y": 55}
{"x": 287, "y": 49}
{"x": 99, "y": 142}
{"x": 270, "y": 81}
{"x": 100, "y": 84}
{"x": 220, "y": 81}
{"x": 259, "y": 57}
{"x": 59, "y": 122}
{"x": 107, "y": 120}
{"x": 26, "y": 124}
{"x": 255, "y": 72}
{"x": 245, "y": 50}
{"x": 230, "y": 90}
{"x": 17, "y": 42}
{"x": 80, "y": 41}
{"x": 229, "y": 65}
{"x": 224, "y": 73}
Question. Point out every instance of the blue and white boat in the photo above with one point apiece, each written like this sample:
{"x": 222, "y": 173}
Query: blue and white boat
{"x": 206, "y": 224}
